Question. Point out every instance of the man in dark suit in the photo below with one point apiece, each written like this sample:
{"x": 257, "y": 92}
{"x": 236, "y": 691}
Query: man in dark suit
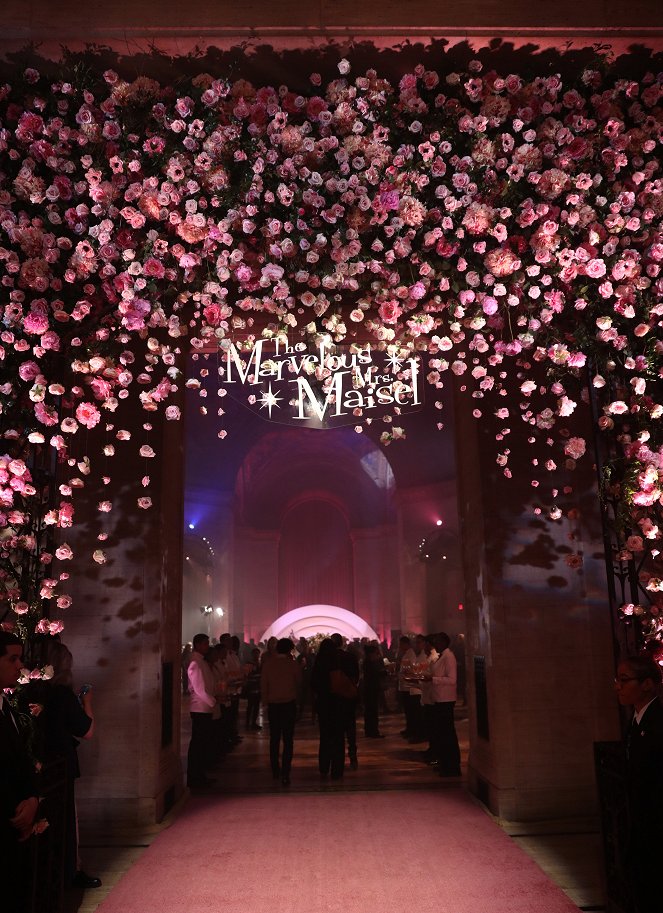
{"x": 637, "y": 683}
{"x": 18, "y": 793}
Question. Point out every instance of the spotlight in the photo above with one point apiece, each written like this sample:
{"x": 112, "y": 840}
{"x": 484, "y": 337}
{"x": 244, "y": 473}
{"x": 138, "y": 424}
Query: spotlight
{"x": 438, "y": 523}
{"x": 219, "y": 611}
{"x": 192, "y": 526}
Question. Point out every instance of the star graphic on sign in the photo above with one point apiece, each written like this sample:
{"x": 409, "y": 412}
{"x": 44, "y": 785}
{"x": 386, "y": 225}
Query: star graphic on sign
{"x": 270, "y": 400}
{"x": 395, "y": 364}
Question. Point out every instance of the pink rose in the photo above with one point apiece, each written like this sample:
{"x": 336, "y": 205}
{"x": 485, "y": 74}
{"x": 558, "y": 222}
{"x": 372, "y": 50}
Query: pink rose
{"x": 575, "y": 448}
{"x": 88, "y": 415}
{"x": 389, "y": 311}
{"x": 595, "y": 269}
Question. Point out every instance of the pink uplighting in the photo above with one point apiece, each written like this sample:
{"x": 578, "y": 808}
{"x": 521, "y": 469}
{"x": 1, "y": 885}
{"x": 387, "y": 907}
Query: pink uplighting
{"x": 309, "y": 620}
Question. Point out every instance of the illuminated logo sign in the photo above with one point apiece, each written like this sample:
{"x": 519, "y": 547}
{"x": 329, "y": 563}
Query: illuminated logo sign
{"x": 325, "y": 387}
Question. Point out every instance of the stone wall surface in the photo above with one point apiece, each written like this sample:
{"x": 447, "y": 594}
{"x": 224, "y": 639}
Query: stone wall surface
{"x": 544, "y": 631}
{"x": 124, "y": 624}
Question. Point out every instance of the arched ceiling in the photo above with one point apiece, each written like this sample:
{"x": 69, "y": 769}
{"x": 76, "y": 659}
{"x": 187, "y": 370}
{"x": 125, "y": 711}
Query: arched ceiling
{"x": 288, "y": 464}
{"x": 268, "y": 464}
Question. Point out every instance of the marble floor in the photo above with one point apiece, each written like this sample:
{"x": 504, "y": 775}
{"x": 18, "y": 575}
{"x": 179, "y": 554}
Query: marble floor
{"x": 571, "y": 856}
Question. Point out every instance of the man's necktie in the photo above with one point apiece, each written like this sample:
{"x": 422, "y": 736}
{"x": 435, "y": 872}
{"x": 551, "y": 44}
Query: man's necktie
{"x": 630, "y": 734}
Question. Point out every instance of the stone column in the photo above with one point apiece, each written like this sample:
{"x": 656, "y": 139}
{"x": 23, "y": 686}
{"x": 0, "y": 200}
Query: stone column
{"x": 256, "y": 581}
{"x": 124, "y": 627}
{"x": 540, "y": 633}
{"x": 418, "y": 509}
{"x": 376, "y": 581}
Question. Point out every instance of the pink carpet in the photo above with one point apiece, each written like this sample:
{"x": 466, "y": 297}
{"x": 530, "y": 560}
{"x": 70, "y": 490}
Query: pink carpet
{"x": 395, "y": 852}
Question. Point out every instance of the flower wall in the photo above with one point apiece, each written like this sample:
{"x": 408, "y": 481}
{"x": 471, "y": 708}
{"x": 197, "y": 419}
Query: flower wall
{"x": 506, "y": 227}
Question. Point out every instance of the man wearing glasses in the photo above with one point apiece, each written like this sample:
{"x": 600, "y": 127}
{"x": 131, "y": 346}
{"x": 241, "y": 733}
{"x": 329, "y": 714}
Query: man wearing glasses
{"x": 637, "y": 684}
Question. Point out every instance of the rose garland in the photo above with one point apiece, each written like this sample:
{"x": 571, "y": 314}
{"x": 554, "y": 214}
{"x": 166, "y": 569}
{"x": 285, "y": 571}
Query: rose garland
{"x": 508, "y": 228}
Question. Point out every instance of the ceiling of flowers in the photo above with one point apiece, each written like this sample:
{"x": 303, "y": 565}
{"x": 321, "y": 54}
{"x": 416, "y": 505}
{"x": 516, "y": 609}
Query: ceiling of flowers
{"x": 500, "y": 227}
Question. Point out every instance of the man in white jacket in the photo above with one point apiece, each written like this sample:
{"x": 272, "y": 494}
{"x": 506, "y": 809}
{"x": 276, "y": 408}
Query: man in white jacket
{"x": 202, "y": 687}
{"x": 443, "y": 694}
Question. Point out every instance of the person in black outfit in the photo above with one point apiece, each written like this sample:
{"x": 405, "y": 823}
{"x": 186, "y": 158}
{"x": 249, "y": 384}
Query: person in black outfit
{"x": 252, "y": 692}
{"x": 18, "y": 787}
{"x": 329, "y": 707}
{"x": 349, "y": 663}
{"x": 373, "y": 678}
{"x": 64, "y": 718}
{"x": 637, "y": 682}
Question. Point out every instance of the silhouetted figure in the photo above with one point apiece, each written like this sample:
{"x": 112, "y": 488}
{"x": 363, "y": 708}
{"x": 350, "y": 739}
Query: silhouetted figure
{"x": 349, "y": 663}
{"x": 331, "y": 755}
{"x": 637, "y": 683}
{"x": 428, "y": 702}
{"x": 305, "y": 660}
{"x": 373, "y": 677}
{"x": 62, "y": 719}
{"x": 252, "y": 692}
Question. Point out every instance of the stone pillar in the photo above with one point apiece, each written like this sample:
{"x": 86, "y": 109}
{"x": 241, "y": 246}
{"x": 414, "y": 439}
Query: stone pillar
{"x": 418, "y": 509}
{"x": 412, "y": 571}
{"x": 541, "y": 634}
{"x": 124, "y": 627}
{"x": 376, "y": 581}
{"x": 256, "y": 582}
{"x": 445, "y": 590}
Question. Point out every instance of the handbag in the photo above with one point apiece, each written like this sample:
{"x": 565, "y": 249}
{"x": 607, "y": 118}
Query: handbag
{"x": 341, "y": 685}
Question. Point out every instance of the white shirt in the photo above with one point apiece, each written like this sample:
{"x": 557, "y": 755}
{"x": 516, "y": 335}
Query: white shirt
{"x": 201, "y": 684}
{"x": 444, "y": 678}
{"x": 639, "y": 715}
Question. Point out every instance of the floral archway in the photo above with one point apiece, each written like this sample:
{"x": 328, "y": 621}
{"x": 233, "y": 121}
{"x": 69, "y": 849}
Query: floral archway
{"x": 500, "y": 227}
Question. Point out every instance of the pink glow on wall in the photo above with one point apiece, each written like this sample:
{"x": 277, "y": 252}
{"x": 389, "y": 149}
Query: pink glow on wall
{"x": 319, "y": 619}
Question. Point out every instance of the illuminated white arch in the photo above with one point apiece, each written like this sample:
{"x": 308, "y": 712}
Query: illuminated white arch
{"x": 308, "y": 620}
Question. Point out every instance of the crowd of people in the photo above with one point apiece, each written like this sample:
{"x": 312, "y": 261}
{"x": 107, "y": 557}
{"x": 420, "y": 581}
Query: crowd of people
{"x": 287, "y": 680}
{"x": 334, "y": 683}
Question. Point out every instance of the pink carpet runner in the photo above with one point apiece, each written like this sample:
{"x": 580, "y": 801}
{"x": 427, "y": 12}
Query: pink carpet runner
{"x": 395, "y": 852}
